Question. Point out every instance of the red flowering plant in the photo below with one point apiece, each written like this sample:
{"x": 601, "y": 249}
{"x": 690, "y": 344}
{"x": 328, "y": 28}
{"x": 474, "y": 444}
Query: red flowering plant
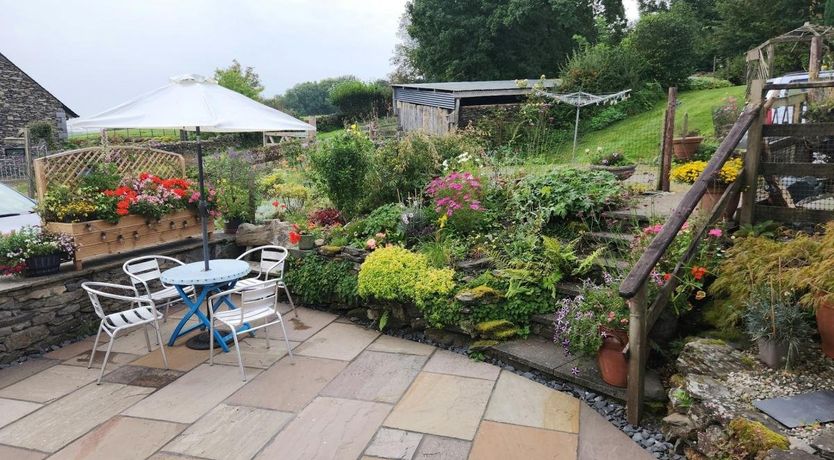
{"x": 698, "y": 273}
{"x": 150, "y": 196}
{"x": 457, "y": 199}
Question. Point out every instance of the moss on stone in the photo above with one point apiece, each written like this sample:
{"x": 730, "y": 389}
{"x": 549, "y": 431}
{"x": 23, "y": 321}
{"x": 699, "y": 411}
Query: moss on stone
{"x": 752, "y": 437}
{"x": 328, "y": 250}
{"x": 481, "y": 345}
{"x": 507, "y": 333}
{"x": 493, "y": 327}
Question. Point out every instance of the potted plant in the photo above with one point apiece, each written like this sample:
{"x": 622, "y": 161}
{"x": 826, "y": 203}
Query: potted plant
{"x": 688, "y": 173}
{"x": 33, "y": 251}
{"x": 685, "y": 146}
{"x": 595, "y": 323}
{"x": 777, "y": 324}
{"x": 234, "y": 179}
{"x": 233, "y": 204}
{"x": 616, "y": 163}
{"x": 815, "y": 280}
{"x": 305, "y": 238}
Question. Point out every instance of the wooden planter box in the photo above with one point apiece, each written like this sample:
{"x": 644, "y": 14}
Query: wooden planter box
{"x": 97, "y": 237}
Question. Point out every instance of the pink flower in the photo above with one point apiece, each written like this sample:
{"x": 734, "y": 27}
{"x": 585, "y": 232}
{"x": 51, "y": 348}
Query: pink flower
{"x": 716, "y": 233}
{"x": 653, "y": 230}
{"x": 370, "y": 244}
{"x": 380, "y": 236}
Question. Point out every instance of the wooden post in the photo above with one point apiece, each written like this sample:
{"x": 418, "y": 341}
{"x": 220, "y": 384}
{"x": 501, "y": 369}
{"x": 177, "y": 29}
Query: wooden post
{"x": 814, "y": 68}
{"x": 752, "y": 156}
{"x": 30, "y": 170}
{"x": 638, "y": 355}
{"x": 666, "y": 141}
{"x": 311, "y": 135}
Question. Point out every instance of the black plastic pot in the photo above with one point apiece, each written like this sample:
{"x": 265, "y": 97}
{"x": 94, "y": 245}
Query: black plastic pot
{"x": 48, "y": 264}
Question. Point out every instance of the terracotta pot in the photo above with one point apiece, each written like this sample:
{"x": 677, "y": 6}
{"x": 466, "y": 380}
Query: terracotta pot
{"x": 621, "y": 172}
{"x": 231, "y": 225}
{"x": 684, "y": 148}
{"x": 48, "y": 264}
{"x": 711, "y": 197}
{"x": 613, "y": 366}
{"x": 825, "y": 324}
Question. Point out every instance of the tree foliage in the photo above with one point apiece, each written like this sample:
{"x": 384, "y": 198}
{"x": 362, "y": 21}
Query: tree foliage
{"x": 495, "y": 39}
{"x": 665, "y": 42}
{"x": 313, "y": 97}
{"x": 236, "y": 78}
{"x": 357, "y": 100}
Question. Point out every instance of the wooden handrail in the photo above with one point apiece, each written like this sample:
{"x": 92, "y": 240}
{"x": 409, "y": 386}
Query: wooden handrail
{"x": 641, "y": 271}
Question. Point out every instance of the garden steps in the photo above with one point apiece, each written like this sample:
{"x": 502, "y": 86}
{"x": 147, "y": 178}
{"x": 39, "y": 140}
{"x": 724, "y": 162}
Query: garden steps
{"x": 547, "y": 357}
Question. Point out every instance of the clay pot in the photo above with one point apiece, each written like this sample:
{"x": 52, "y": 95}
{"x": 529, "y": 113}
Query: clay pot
{"x": 825, "y": 324}
{"x": 711, "y": 197}
{"x": 620, "y": 172}
{"x": 613, "y": 366}
{"x": 684, "y": 148}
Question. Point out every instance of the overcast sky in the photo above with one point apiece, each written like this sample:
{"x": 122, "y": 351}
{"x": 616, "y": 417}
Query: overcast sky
{"x": 94, "y": 54}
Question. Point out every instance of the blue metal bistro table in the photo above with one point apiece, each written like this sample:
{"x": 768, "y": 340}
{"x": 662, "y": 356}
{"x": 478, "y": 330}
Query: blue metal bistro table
{"x": 222, "y": 275}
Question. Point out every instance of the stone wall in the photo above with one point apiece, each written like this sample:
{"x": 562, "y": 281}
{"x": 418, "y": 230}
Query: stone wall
{"x": 37, "y": 313}
{"x": 22, "y": 101}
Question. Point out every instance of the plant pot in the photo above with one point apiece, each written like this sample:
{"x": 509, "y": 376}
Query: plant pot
{"x": 825, "y": 324}
{"x": 711, "y": 197}
{"x": 48, "y": 264}
{"x": 231, "y": 225}
{"x": 774, "y": 354}
{"x": 621, "y": 172}
{"x": 684, "y": 148}
{"x": 613, "y": 366}
{"x": 307, "y": 242}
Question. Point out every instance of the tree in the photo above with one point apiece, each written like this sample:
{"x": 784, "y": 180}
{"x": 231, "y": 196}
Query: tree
{"x": 236, "y": 78}
{"x": 495, "y": 39}
{"x": 744, "y": 24}
{"x": 313, "y": 97}
{"x": 828, "y": 15}
{"x": 665, "y": 42}
{"x": 357, "y": 100}
{"x": 402, "y": 60}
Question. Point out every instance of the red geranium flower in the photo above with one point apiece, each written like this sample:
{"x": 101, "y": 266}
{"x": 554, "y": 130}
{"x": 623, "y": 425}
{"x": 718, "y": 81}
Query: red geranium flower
{"x": 699, "y": 272}
{"x": 295, "y": 237}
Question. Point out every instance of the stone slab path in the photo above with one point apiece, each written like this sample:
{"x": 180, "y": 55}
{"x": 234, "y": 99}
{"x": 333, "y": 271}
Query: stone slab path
{"x": 349, "y": 393}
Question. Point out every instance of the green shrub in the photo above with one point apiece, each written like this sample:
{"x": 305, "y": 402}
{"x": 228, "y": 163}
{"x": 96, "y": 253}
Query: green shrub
{"x": 398, "y": 275}
{"x": 702, "y": 82}
{"x": 384, "y": 219}
{"x": 315, "y": 280}
{"x": 665, "y": 42}
{"x": 339, "y": 166}
{"x": 233, "y": 177}
{"x": 357, "y": 100}
{"x": 602, "y": 69}
{"x": 401, "y": 168}
{"x": 42, "y": 131}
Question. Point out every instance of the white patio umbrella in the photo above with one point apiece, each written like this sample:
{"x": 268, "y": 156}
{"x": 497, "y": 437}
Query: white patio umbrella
{"x": 195, "y": 103}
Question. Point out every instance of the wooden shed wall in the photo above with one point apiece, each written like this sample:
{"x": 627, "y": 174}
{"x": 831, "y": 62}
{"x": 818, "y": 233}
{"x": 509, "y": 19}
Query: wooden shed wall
{"x": 428, "y": 119}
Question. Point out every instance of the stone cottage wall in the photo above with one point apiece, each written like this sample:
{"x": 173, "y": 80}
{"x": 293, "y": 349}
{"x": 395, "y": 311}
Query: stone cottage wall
{"x": 36, "y": 313}
{"x": 22, "y": 101}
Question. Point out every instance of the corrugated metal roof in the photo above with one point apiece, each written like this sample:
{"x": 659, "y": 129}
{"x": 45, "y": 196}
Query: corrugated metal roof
{"x": 458, "y": 86}
{"x": 431, "y": 98}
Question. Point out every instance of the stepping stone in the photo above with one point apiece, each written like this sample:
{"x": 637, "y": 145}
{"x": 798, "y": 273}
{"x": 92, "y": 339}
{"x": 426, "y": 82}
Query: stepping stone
{"x": 20, "y": 454}
{"x": 59, "y": 423}
{"x": 254, "y": 352}
{"x": 390, "y": 443}
{"x": 289, "y": 385}
{"x": 445, "y": 405}
{"x": 12, "y": 409}
{"x": 446, "y": 362}
{"x": 376, "y": 376}
{"x": 142, "y": 376}
{"x": 51, "y": 383}
{"x": 500, "y": 441}
{"x": 438, "y": 448}
{"x": 192, "y": 395}
{"x": 125, "y": 438}
{"x": 326, "y": 429}
{"x": 28, "y": 368}
{"x": 521, "y": 401}
{"x": 337, "y": 341}
{"x": 598, "y": 438}
{"x": 397, "y": 345}
{"x": 230, "y": 433}
{"x": 800, "y": 410}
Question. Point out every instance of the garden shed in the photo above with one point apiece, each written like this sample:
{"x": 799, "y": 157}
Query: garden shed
{"x": 437, "y": 108}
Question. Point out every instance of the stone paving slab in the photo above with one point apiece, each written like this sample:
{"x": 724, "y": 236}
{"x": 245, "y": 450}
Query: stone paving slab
{"x": 446, "y": 362}
{"x": 59, "y": 423}
{"x": 180, "y": 357}
{"x": 521, "y": 401}
{"x": 115, "y": 360}
{"x": 440, "y": 448}
{"x": 12, "y": 409}
{"x": 50, "y": 384}
{"x": 9, "y": 452}
{"x": 289, "y": 385}
{"x": 192, "y": 395}
{"x": 396, "y": 444}
{"x": 142, "y": 376}
{"x": 397, "y": 345}
{"x": 376, "y": 376}
{"x": 108, "y": 441}
{"x": 328, "y": 428}
{"x": 337, "y": 341}
{"x": 18, "y": 372}
{"x": 254, "y": 352}
{"x": 230, "y": 433}
{"x": 71, "y": 350}
{"x": 445, "y": 405}
{"x": 500, "y": 441}
{"x": 599, "y": 439}
{"x": 308, "y": 323}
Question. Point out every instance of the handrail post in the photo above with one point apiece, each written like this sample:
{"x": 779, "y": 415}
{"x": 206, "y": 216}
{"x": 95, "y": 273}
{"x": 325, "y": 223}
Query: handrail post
{"x": 752, "y": 156}
{"x": 638, "y": 354}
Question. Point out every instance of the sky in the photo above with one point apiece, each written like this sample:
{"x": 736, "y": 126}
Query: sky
{"x": 95, "y": 54}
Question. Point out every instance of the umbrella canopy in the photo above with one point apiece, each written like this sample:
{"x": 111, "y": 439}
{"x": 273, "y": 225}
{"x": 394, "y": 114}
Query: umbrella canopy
{"x": 192, "y": 101}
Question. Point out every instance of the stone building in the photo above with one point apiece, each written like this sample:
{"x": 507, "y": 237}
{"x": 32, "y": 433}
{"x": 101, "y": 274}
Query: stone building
{"x": 23, "y": 100}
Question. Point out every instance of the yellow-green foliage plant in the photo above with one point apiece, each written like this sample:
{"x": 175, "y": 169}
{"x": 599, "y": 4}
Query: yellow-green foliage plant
{"x": 396, "y": 274}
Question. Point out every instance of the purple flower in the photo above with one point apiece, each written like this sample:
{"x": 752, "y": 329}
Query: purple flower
{"x": 574, "y": 371}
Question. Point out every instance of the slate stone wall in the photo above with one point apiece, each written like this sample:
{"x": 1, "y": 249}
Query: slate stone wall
{"x": 23, "y": 101}
{"x": 37, "y": 313}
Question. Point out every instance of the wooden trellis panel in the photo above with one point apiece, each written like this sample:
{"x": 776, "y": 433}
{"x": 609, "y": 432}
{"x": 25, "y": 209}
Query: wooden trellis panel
{"x": 66, "y": 168}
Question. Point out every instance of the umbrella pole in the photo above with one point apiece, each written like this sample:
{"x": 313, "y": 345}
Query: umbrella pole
{"x": 202, "y": 205}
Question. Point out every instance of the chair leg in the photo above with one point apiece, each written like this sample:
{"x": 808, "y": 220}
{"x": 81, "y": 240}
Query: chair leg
{"x": 292, "y": 304}
{"x": 147, "y": 339}
{"x": 266, "y": 336}
{"x": 239, "y": 358}
{"x": 95, "y": 346}
{"x": 211, "y": 341}
{"x": 286, "y": 339}
{"x": 161, "y": 346}
{"x": 106, "y": 357}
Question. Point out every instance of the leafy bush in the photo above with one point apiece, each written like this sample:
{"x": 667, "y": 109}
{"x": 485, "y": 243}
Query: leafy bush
{"x": 702, "y": 82}
{"x": 399, "y": 275}
{"x": 607, "y": 117}
{"x": 357, "y": 100}
{"x": 339, "y": 166}
{"x": 401, "y": 168}
{"x": 602, "y": 69}
{"x": 314, "y": 280}
{"x": 42, "y": 131}
{"x": 665, "y": 41}
{"x": 234, "y": 179}
{"x": 384, "y": 220}
{"x": 327, "y": 123}
{"x": 564, "y": 193}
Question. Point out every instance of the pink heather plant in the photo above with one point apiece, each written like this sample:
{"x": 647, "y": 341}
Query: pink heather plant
{"x": 457, "y": 197}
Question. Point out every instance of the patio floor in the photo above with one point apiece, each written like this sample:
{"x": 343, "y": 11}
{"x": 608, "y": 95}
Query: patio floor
{"x": 349, "y": 393}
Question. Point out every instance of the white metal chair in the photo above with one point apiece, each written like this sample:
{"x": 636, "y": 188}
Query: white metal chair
{"x": 143, "y": 271}
{"x": 142, "y": 313}
{"x": 270, "y": 267}
{"x": 257, "y": 302}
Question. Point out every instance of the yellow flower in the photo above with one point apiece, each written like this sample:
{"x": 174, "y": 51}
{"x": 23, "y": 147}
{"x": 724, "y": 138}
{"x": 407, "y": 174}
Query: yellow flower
{"x": 442, "y": 221}
{"x": 688, "y": 173}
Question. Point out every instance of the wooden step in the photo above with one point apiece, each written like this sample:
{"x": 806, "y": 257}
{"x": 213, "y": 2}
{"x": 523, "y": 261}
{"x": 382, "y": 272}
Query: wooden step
{"x": 613, "y": 264}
